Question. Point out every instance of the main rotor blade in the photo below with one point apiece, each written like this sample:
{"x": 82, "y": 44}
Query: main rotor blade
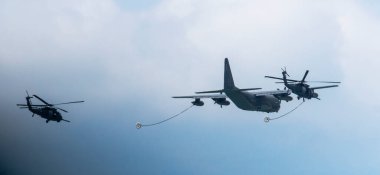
{"x": 337, "y": 82}
{"x": 323, "y": 81}
{"x": 322, "y": 87}
{"x": 30, "y": 105}
{"x": 281, "y": 78}
{"x": 277, "y": 78}
{"x": 26, "y": 108}
{"x": 43, "y": 101}
{"x": 292, "y": 82}
{"x": 62, "y": 110}
{"x": 304, "y": 77}
{"x": 69, "y": 102}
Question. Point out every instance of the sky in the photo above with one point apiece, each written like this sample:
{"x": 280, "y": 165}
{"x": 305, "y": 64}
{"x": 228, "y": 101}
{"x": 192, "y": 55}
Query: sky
{"x": 126, "y": 59}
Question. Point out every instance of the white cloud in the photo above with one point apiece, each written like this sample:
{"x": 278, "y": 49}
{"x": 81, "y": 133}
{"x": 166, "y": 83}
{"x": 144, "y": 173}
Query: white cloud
{"x": 359, "y": 53}
{"x": 179, "y": 46}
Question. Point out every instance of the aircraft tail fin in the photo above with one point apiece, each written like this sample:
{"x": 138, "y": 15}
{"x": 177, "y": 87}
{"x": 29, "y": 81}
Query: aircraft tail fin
{"x": 228, "y": 79}
{"x": 228, "y": 82}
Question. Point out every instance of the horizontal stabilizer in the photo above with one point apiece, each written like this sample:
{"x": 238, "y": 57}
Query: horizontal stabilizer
{"x": 222, "y": 90}
{"x": 249, "y": 89}
{"x": 214, "y": 91}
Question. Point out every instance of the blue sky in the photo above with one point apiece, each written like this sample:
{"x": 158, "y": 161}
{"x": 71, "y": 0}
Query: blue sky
{"x": 127, "y": 58}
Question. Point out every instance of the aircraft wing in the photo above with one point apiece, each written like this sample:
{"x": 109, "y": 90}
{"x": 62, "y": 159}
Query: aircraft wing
{"x": 322, "y": 87}
{"x": 222, "y": 90}
{"x": 203, "y": 96}
{"x": 277, "y": 92}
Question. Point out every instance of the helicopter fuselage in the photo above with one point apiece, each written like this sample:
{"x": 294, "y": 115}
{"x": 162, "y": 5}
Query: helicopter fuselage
{"x": 302, "y": 90}
{"x": 47, "y": 113}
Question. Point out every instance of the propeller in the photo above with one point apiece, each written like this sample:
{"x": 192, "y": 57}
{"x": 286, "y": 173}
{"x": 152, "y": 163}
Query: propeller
{"x": 221, "y": 106}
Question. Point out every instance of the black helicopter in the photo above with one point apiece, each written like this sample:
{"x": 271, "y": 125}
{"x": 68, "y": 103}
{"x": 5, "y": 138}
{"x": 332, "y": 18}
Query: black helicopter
{"x": 300, "y": 88}
{"x": 47, "y": 111}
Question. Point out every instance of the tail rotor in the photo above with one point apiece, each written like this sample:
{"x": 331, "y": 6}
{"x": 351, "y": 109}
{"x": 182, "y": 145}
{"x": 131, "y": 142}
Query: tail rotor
{"x": 284, "y": 71}
{"x": 28, "y": 96}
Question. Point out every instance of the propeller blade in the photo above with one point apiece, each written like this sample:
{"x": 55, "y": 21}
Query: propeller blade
{"x": 43, "y": 101}
{"x": 62, "y": 110}
{"x": 69, "y": 102}
{"x": 304, "y": 77}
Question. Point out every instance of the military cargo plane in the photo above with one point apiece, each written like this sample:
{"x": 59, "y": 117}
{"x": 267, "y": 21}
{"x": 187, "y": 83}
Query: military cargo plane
{"x": 261, "y": 101}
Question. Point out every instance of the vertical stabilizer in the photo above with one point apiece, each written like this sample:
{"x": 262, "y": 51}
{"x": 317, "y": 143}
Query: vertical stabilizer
{"x": 228, "y": 80}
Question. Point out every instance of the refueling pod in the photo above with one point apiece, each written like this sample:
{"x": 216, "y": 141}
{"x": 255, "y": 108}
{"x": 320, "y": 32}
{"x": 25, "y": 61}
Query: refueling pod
{"x": 221, "y": 101}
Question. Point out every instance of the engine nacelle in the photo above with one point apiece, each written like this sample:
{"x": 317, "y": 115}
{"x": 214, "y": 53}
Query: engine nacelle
{"x": 285, "y": 98}
{"x": 198, "y": 102}
{"x": 221, "y": 101}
